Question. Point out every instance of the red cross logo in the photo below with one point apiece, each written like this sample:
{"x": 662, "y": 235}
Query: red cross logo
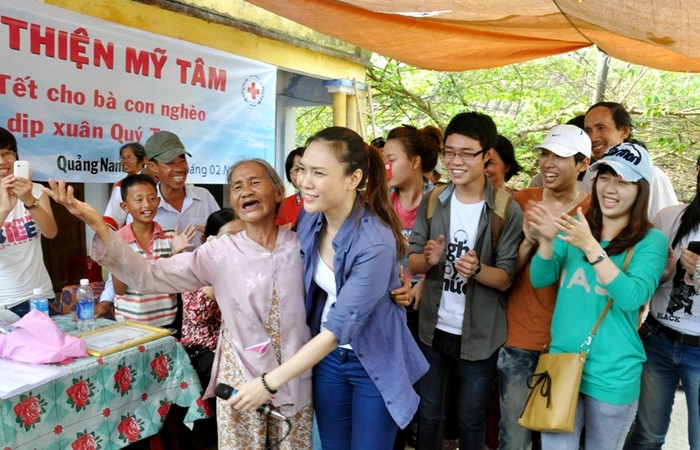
{"x": 253, "y": 90}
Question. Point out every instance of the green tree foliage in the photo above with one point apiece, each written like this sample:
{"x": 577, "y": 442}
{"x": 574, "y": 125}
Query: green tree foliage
{"x": 527, "y": 99}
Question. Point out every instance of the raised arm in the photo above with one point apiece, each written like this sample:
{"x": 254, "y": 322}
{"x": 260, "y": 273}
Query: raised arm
{"x": 65, "y": 196}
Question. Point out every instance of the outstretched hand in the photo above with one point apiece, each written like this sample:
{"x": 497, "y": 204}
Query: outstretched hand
{"x": 183, "y": 241}
{"x": 65, "y": 196}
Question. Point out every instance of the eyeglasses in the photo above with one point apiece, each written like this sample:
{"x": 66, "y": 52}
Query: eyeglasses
{"x": 7, "y": 155}
{"x": 127, "y": 158}
{"x": 463, "y": 156}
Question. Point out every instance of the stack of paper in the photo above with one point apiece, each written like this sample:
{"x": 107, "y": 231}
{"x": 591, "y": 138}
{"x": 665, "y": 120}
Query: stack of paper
{"x": 19, "y": 377}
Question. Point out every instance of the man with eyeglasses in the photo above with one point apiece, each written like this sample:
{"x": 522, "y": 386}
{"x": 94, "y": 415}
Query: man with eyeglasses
{"x": 25, "y": 215}
{"x": 462, "y": 319}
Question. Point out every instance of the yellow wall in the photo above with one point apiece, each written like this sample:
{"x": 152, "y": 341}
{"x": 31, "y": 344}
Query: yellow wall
{"x": 225, "y": 38}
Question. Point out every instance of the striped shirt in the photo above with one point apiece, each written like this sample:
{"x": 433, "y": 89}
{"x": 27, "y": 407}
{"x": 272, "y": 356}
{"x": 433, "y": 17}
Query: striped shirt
{"x": 149, "y": 309}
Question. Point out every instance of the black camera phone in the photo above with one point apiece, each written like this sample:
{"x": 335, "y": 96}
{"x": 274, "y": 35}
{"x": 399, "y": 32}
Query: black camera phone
{"x": 694, "y": 246}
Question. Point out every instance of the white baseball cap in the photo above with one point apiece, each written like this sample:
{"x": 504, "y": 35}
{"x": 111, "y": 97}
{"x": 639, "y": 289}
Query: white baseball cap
{"x": 566, "y": 140}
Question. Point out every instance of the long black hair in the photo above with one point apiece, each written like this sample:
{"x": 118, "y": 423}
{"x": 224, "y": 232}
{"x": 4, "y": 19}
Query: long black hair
{"x": 690, "y": 217}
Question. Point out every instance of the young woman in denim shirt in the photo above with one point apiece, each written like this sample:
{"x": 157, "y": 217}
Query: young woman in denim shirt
{"x": 364, "y": 356}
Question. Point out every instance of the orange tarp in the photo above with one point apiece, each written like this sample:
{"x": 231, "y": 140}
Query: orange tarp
{"x": 453, "y": 35}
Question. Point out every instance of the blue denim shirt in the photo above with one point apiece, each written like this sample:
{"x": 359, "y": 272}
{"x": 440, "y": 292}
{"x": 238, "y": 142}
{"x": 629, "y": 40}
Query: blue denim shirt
{"x": 364, "y": 316}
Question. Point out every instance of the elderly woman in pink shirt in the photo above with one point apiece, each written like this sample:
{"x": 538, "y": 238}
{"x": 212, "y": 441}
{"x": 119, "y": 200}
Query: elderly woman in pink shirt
{"x": 257, "y": 275}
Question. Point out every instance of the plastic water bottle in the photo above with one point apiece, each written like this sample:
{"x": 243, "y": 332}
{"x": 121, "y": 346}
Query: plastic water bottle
{"x": 85, "y": 306}
{"x": 39, "y": 301}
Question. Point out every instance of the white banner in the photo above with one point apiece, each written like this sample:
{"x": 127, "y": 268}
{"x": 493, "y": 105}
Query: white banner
{"x": 73, "y": 89}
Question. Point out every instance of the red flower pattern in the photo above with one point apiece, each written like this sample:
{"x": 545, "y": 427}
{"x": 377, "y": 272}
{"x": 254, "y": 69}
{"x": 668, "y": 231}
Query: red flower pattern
{"x": 163, "y": 410}
{"x": 205, "y": 406}
{"x": 123, "y": 378}
{"x": 129, "y": 429}
{"x": 106, "y": 412}
{"x": 58, "y": 429}
{"x": 79, "y": 393}
{"x": 29, "y": 410}
{"x": 144, "y": 396}
{"x": 184, "y": 385}
{"x": 86, "y": 441}
{"x": 160, "y": 366}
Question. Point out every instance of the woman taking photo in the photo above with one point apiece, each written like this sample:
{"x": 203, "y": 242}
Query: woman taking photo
{"x": 585, "y": 259}
{"x": 257, "y": 277}
{"x": 25, "y": 216}
{"x": 364, "y": 356}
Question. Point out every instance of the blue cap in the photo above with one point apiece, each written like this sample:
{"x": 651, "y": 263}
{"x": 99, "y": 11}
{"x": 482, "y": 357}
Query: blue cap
{"x": 630, "y": 161}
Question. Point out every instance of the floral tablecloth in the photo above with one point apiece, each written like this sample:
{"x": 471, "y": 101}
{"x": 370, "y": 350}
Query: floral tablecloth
{"x": 104, "y": 403}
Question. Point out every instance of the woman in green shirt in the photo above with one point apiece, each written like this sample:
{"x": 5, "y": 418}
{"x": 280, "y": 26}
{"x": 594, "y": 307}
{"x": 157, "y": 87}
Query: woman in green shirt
{"x": 583, "y": 254}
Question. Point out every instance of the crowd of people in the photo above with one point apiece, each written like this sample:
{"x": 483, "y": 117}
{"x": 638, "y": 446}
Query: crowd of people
{"x": 378, "y": 297}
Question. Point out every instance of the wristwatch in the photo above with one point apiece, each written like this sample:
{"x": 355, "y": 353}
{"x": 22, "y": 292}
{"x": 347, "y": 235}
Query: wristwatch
{"x": 599, "y": 258}
{"x": 33, "y": 205}
{"x": 477, "y": 270}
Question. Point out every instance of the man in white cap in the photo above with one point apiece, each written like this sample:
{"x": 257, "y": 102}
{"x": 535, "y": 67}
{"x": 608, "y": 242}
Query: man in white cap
{"x": 565, "y": 153}
{"x": 181, "y": 205}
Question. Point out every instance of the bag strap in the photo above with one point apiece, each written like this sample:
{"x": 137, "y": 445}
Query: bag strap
{"x": 586, "y": 346}
{"x": 432, "y": 203}
{"x": 502, "y": 199}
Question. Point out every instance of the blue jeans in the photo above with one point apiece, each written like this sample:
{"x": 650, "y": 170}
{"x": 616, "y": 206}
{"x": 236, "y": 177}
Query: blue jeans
{"x": 23, "y": 308}
{"x": 606, "y": 426}
{"x": 515, "y": 365}
{"x": 474, "y": 382}
{"x": 667, "y": 362}
{"x": 350, "y": 410}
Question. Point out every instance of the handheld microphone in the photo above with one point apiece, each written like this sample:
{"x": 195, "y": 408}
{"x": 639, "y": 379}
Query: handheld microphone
{"x": 224, "y": 392}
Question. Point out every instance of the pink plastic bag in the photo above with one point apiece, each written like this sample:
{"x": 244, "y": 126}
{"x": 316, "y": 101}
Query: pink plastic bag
{"x": 37, "y": 340}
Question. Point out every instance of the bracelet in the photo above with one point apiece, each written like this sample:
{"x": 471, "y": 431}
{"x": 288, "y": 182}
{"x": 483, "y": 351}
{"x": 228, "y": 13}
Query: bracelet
{"x": 599, "y": 258}
{"x": 265, "y": 385}
{"x": 33, "y": 205}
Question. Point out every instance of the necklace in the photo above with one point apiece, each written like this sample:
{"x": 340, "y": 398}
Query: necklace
{"x": 568, "y": 207}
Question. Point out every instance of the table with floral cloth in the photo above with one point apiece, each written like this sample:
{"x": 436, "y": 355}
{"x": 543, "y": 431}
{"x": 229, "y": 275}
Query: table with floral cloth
{"x": 104, "y": 402}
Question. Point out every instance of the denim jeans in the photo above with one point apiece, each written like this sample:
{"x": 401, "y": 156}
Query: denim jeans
{"x": 667, "y": 362}
{"x": 23, "y": 308}
{"x": 515, "y": 365}
{"x": 350, "y": 410}
{"x": 606, "y": 426}
{"x": 474, "y": 382}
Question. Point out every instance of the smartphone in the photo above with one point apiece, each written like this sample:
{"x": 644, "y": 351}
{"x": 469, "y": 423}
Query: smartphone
{"x": 21, "y": 169}
{"x": 387, "y": 167}
{"x": 694, "y": 246}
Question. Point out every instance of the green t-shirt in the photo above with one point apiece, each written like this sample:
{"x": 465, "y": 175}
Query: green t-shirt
{"x": 612, "y": 372}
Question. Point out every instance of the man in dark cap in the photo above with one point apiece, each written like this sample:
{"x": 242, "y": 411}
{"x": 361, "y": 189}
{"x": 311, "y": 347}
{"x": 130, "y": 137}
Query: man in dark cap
{"x": 181, "y": 205}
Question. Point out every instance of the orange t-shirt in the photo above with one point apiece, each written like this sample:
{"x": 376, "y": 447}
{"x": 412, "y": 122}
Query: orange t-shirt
{"x": 530, "y": 310}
